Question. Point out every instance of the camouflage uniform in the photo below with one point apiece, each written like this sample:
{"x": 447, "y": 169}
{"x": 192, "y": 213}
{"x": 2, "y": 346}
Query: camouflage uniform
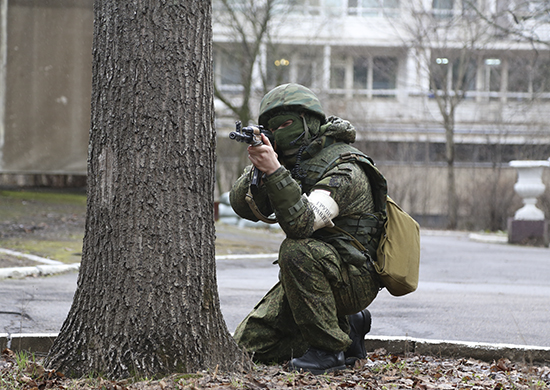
{"x": 322, "y": 276}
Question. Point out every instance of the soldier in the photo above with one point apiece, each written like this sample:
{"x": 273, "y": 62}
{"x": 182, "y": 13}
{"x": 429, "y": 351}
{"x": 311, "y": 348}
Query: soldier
{"x": 322, "y": 196}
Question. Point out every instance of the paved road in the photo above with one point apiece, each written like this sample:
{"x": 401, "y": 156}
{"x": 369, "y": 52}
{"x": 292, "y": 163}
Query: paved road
{"x": 469, "y": 291}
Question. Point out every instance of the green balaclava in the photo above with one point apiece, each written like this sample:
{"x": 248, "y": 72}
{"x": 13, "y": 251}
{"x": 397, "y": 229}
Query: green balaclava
{"x": 289, "y": 139}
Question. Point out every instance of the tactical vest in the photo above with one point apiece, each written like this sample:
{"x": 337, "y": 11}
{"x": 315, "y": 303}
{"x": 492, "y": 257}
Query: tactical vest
{"x": 368, "y": 228}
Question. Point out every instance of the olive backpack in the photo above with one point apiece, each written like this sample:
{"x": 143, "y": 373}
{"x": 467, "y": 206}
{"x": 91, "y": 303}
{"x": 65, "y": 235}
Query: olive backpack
{"x": 397, "y": 260}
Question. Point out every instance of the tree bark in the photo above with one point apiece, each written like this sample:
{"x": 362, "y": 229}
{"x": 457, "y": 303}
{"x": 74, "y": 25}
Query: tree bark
{"x": 147, "y": 301}
{"x": 452, "y": 199}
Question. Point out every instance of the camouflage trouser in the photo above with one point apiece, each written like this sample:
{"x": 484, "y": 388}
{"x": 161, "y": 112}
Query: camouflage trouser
{"x": 308, "y": 306}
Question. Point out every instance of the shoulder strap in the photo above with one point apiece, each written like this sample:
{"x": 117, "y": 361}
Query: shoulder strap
{"x": 377, "y": 180}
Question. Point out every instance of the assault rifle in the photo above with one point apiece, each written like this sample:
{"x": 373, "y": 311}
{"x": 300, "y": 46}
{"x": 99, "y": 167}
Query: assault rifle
{"x": 252, "y": 136}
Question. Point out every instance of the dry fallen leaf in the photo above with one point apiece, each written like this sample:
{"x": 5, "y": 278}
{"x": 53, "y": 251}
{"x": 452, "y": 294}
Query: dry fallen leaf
{"x": 378, "y": 370}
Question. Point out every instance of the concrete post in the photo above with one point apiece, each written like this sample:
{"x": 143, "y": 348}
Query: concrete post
{"x": 529, "y": 225}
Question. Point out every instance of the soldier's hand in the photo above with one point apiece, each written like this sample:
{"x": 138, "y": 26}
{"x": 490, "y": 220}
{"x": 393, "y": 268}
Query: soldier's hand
{"x": 264, "y": 156}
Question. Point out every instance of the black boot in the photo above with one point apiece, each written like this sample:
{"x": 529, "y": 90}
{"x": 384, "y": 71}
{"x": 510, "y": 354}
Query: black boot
{"x": 318, "y": 361}
{"x": 359, "y": 326}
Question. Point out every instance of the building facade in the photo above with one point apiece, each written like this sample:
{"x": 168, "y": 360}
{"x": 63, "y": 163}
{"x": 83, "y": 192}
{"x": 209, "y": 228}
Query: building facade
{"x": 45, "y": 86}
{"x": 405, "y": 73}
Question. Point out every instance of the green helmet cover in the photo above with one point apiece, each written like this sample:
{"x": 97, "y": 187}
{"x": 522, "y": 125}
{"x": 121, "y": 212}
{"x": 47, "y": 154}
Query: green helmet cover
{"x": 293, "y": 97}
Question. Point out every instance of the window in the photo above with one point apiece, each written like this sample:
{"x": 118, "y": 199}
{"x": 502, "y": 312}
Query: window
{"x": 316, "y": 7}
{"x": 360, "y": 72}
{"x": 333, "y": 7}
{"x": 439, "y": 73}
{"x": 493, "y": 74}
{"x": 338, "y": 75}
{"x": 464, "y": 75}
{"x": 384, "y": 74}
{"x": 294, "y": 64}
{"x": 541, "y": 76}
{"x": 305, "y": 7}
{"x": 528, "y": 76}
{"x": 448, "y": 73}
{"x": 520, "y": 74}
{"x": 228, "y": 67}
{"x": 364, "y": 73}
{"x": 306, "y": 72}
{"x": 442, "y": 8}
{"x": 353, "y": 7}
{"x": 372, "y": 7}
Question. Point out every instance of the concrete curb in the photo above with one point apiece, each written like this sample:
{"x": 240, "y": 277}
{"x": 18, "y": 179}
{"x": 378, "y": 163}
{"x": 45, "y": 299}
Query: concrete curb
{"x": 40, "y": 343}
{"x": 48, "y": 267}
{"x": 488, "y": 238}
{"x": 39, "y": 259}
{"x": 459, "y": 349}
{"x": 39, "y": 270}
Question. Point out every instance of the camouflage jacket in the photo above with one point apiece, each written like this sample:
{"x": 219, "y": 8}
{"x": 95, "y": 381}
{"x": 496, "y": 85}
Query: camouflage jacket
{"x": 322, "y": 168}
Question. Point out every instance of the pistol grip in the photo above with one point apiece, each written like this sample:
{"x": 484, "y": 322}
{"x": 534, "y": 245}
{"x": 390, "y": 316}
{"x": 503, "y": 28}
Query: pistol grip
{"x": 256, "y": 177}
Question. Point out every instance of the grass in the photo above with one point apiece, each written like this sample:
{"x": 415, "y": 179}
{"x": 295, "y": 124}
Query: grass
{"x": 44, "y": 196}
{"x": 24, "y": 206}
{"x": 24, "y": 367}
{"x": 21, "y": 205}
{"x": 46, "y": 223}
{"x": 65, "y": 251}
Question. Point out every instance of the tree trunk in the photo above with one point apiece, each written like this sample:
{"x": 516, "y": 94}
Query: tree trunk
{"x": 452, "y": 200}
{"x": 147, "y": 300}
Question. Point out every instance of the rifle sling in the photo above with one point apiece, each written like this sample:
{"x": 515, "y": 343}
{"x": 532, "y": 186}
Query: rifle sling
{"x": 252, "y": 204}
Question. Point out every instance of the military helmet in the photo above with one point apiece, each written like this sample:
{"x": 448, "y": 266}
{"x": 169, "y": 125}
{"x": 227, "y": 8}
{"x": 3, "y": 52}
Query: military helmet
{"x": 291, "y": 96}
